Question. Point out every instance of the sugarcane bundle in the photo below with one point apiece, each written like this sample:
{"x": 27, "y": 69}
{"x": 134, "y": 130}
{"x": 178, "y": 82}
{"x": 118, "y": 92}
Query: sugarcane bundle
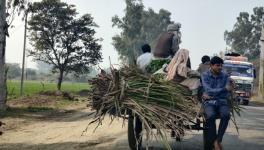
{"x": 163, "y": 104}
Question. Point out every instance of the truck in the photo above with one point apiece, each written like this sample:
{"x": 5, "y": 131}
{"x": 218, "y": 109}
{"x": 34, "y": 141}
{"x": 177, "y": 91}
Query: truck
{"x": 243, "y": 74}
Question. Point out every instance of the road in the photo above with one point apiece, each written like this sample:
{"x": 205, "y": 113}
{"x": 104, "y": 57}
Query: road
{"x": 63, "y": 131}
{"x": 250, "y": 136}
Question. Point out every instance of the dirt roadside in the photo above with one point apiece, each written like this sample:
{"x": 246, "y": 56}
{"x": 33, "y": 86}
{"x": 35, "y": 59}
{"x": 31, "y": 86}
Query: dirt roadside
{"x": 57, "y": 129}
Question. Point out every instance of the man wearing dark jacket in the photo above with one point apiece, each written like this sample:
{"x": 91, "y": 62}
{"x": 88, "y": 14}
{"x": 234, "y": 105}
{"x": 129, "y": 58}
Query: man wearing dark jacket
{"x": 168, "y": 42}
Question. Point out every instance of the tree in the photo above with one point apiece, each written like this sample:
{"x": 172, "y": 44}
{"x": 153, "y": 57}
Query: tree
{"x": 43, "y": 67}
{"x": 13, "y": 70}
{"x": 31, "y": 74}
{"x": 61, "y": 39}
{"x": 7, "y": 12}
{"x": 127, "y": 41}
{"x": 244, "y": 37}
{"x": 138, "y": 27}
{"x": 3, "y": 33}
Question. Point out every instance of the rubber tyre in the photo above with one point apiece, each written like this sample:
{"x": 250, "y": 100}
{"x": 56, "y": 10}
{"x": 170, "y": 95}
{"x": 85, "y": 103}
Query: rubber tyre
{"x": 133, "y": 132}
{"x": 206, "y": 143}
{"x": 245, "y": 102}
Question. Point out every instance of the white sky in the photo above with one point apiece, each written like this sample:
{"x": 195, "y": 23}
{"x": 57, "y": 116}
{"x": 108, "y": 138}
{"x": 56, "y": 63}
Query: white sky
{"x": 203, "y": 24}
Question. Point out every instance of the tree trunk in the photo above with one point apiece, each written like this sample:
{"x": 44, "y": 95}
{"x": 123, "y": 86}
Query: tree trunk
{"x": 132, "y": 60}
{"x": 261, "y": 65}
{"x": 3, "y": 28}
{"x": 60, "y": 80}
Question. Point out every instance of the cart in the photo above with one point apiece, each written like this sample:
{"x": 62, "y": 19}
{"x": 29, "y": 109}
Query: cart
{"x": 135, "y": 129}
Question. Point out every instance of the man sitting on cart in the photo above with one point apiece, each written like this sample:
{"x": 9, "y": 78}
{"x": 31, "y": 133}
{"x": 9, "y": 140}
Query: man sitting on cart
{"x": 144, "y": 59}
{"x": 216, "y": 89}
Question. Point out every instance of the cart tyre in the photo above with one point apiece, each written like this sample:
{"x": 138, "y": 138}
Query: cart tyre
{"x": 207, "y": 145}
{"x": 133, "y": 132}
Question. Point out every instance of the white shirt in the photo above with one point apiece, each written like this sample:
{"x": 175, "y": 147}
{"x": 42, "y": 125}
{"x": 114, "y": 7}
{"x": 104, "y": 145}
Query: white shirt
{"x": 143, "y": 60}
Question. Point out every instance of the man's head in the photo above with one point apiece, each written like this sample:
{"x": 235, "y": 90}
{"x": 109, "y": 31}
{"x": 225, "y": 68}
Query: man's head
{"x": 205, "y": 59}
{"x": 174, "y": 27}
{"x": 145, "y": 48}
{"x": 216, "y": 64}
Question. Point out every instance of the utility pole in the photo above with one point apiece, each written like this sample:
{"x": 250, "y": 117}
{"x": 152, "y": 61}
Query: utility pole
{"x": 261, "y": 65}
{"x": 24, "y": 52}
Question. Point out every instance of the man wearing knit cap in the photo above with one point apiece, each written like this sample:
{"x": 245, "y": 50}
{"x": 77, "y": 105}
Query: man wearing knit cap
{"x": 168, "y": 42}
{"x": 205, "y": 65}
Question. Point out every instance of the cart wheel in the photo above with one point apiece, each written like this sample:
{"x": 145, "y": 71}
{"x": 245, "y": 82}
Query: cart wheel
{"x": 206, "y": 143}
{"x": 178, "y": 139}
{"x": 134, "y": 131}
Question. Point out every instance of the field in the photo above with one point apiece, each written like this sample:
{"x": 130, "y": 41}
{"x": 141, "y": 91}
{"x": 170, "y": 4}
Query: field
{"x": 33, "y": 87}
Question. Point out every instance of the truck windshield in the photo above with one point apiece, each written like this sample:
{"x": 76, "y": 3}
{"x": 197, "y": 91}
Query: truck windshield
{"x": 238, "y": 70}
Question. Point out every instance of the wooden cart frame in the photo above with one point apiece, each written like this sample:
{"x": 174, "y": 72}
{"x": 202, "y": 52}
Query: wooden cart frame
{"x": 135, "y": 129}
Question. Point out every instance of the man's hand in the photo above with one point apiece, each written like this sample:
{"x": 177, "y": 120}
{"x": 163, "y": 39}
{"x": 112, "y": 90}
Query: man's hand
{"x": 230, "y": 86}
{"x": 206, "y": 97}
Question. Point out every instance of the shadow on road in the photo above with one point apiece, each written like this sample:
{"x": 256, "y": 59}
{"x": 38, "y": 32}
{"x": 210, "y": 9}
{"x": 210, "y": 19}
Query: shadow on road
{"x": 47, "y": 114}
{"x": 89, "y": 145}
{"x": 256, "y": 104}
{"x": 195, "y": 142}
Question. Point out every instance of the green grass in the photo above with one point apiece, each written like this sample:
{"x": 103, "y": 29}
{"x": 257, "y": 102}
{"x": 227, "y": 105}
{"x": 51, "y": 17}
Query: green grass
{"x": 33, "y": 87}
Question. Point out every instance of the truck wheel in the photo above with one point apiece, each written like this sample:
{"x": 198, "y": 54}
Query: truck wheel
{"x": 245, "y": 102}
{"x": 134, "y": 133}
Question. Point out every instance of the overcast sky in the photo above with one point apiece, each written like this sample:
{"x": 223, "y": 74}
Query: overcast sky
{"x": 203, "y": 24}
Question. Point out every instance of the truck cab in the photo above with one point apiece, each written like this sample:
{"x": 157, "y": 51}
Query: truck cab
{"x": 242, "y": 73}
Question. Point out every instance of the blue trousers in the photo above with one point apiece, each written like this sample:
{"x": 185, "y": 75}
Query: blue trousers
{"x": 213, "y": 110}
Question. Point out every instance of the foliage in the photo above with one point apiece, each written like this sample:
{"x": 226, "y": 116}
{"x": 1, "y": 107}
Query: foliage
{"x": 43, "y": 67}
{"x": 33, "y": 87}
{"x": 61, "y": 39}
{"x": 82, "y": 78}
{"x": 13, "y": 70}
{"x": 16, "y": 8}
{"x": 138, "y": 26}
{"x": 155, "y": 65}
{"x": 31, "y": 74}
{"x": 245, "y": 35}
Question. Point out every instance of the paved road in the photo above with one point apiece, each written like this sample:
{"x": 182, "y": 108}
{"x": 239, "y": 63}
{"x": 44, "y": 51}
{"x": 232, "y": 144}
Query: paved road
{"x": 250, "y": 137}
